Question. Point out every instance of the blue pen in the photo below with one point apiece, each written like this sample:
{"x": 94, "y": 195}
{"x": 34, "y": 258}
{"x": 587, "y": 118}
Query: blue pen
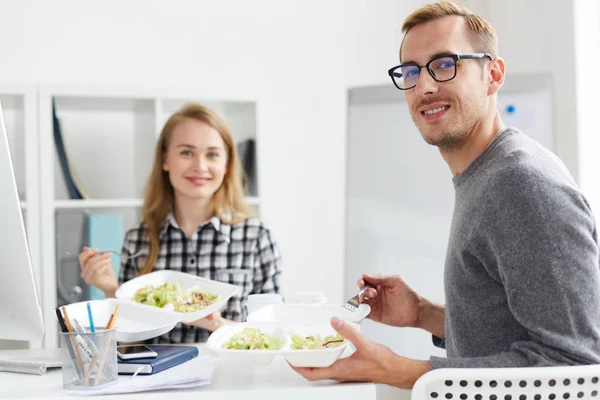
{"x": 92, "y": 328}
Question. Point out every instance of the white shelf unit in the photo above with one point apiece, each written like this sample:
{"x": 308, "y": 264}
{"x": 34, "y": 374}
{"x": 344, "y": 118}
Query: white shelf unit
{"x": 19, "y": 108}
{"x": 109, "y": 136}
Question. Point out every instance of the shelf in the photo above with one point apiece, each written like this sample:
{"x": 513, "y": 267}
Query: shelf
{"x": 112, "y": 203}
{"x": 97, "y": 203}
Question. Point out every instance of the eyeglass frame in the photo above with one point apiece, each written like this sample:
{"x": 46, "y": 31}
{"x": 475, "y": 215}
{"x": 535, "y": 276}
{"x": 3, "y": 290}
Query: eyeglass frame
{"x": 455, "y": 57}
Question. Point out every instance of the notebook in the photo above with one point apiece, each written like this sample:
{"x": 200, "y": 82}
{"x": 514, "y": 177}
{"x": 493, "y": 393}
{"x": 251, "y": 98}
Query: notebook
{"x": 168, "y": 356}
{"x": 195, "y": 372}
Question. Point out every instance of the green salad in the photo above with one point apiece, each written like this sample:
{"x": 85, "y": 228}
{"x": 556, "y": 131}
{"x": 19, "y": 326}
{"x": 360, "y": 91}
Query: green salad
{"x": 252, "y": 339}
{"x": 170, "y": 296}
{"x": 315, "y": 342}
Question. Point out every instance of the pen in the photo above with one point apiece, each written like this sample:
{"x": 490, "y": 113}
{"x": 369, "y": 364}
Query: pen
{"x": 61, "y": 321}
{"x": 89, "y": 310}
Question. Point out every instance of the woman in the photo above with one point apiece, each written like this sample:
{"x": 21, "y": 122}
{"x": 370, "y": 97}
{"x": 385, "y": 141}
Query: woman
{"x": 195, "y": 220}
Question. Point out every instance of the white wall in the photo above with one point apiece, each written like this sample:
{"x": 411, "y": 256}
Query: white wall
{"x": 587, "y": 55}
{"x": 296, "y": 57}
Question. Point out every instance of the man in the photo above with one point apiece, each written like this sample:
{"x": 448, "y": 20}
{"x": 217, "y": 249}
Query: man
{"x": 522, "y": 280}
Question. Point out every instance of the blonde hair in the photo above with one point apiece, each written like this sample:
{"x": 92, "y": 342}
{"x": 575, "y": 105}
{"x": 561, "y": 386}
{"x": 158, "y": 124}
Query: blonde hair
{"x": 229, "y": 201}
{"x": 480, "y": 32}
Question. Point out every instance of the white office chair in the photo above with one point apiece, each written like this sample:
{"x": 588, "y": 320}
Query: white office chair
{"x": 536, "y": 383}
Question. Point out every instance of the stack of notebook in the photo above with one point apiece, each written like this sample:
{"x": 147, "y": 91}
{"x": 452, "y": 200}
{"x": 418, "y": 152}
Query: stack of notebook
{"x": 167, "y": 357}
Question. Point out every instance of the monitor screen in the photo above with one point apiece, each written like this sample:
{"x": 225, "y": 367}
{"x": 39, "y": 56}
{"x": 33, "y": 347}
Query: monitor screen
{"x": 20, "y": 309}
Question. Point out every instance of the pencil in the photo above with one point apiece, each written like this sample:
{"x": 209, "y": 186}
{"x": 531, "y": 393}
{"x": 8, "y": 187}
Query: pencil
{"x": 111, "y": 323}
{"x": 73, "y": 342}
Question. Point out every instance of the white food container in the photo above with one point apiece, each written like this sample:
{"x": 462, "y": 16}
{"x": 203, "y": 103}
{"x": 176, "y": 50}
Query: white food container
{"x": 187, "y": 281}
{"x": 297, "y": 358}
{"x": 319, "y": 314}
{"x": 134, "y": 321}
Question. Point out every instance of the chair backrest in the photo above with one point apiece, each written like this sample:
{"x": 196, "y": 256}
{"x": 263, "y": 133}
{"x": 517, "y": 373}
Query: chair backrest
{"x": 536, "y": 383}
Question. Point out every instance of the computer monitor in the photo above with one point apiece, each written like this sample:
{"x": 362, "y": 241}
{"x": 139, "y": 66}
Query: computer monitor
{"x": 20, "y": 309}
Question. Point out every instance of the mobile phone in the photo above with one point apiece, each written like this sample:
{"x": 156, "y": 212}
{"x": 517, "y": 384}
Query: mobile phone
{"x": 130, "y": 352}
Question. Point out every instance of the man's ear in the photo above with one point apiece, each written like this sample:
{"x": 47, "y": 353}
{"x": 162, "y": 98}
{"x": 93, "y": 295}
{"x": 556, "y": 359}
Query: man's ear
{"x": 496, "y": 76}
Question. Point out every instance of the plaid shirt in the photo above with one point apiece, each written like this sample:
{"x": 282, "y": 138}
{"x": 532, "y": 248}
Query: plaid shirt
{"x": 244, "y": 254}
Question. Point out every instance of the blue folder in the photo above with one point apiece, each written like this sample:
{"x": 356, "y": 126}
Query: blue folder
{"x": 105, "y": 232}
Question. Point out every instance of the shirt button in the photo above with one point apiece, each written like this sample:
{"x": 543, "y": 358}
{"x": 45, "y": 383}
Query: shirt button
{"x": 192, "y": 261}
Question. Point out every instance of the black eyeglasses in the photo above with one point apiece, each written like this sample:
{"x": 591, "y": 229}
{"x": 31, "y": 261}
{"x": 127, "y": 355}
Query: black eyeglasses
{"x": 442, "y": 69}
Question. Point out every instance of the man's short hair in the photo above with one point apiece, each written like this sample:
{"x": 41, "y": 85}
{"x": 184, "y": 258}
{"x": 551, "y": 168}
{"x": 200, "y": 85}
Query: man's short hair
{"x": 481, "y": 33}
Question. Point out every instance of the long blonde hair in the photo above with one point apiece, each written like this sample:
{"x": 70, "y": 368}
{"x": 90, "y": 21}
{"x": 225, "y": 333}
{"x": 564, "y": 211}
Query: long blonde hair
{"x": 481, "y": 33}
{"x": 229, "y": 201}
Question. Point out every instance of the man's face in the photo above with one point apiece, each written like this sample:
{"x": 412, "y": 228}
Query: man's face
{"x": 445, "y": 112}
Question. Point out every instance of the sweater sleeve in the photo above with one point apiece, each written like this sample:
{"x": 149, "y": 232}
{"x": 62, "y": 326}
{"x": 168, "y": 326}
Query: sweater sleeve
{"x": 545, "y": 244}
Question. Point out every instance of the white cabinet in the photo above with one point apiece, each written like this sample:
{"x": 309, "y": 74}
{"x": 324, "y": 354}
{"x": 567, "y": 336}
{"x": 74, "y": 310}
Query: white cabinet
{"x": 109, "y": 135}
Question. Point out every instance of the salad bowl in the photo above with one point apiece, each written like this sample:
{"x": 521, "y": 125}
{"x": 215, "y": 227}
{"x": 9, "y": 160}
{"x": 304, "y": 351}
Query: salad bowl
{"x": 315, "y": 345}
{"x": 134, "y": 322}
{"x": 173, "y": 300}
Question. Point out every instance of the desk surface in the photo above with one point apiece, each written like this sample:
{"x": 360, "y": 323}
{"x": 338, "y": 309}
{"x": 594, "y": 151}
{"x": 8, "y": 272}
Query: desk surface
{"x": 276, "y": 381}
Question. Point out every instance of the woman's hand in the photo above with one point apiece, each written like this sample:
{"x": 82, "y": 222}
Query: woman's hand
{"x": 96, "y": 270}
{"x": 211, "y": 323}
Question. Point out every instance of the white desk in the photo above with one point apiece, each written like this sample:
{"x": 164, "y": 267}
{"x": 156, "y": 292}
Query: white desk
{"x": 276, "y": 381}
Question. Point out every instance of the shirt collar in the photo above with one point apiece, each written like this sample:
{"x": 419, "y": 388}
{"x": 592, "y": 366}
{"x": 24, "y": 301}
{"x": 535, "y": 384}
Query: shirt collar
{"x": 222, "y": 228}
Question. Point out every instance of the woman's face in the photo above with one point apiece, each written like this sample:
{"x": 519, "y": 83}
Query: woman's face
{"x": 196, "y": 159}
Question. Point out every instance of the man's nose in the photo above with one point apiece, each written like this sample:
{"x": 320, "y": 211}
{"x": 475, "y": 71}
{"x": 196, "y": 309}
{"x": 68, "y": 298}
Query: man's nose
{"x": 426, "y": 84}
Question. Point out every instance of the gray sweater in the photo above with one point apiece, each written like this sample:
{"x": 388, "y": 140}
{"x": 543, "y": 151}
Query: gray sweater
{"x": 522, "y": 275}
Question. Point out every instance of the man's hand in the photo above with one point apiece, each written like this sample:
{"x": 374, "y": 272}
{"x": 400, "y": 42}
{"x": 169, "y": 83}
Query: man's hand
{"x": 393, "y": 302}
{"x": 372, "y": 362}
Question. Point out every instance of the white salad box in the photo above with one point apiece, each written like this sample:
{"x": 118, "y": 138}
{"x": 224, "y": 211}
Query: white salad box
{"x": 134, "y": 322}
{"x": 298, "y": 358}
{"x": 187, "y": 282}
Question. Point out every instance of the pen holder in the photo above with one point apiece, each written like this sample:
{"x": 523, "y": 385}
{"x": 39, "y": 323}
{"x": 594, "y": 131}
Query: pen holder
{"x": 89, "y": 360}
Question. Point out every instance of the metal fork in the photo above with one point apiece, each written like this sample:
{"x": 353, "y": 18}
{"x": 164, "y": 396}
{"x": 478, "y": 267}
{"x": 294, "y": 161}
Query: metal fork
{"x": 122, "y": 256}
{"x": 353, "y": 303}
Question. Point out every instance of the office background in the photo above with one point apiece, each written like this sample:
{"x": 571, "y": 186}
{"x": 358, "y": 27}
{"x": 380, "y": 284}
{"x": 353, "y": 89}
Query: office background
{"x": 299, "y": 59}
